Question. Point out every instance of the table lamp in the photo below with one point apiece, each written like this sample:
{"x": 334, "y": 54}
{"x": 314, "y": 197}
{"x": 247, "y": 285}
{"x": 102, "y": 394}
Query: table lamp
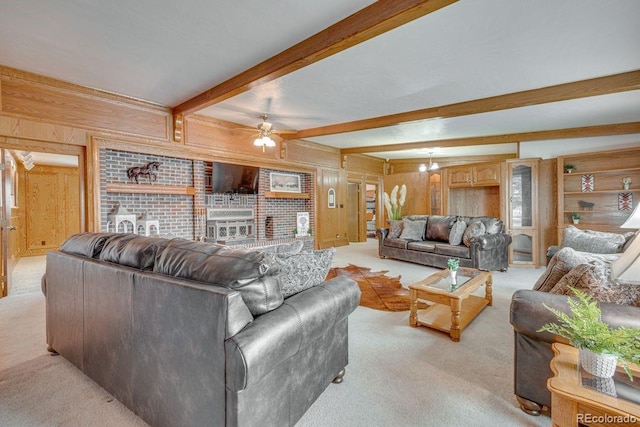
{"x": 627, "y": 267}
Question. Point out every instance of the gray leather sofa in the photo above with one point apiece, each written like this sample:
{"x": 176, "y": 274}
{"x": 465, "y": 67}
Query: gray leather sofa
{"x": 188, "y": 334}
{"x": 489, "y": 251}
{"x": 532, "y": 349}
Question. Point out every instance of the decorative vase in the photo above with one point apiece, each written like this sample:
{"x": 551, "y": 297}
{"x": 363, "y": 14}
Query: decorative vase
{"x": 576, "y": 221}
{"x": 600, "y": 365}
{"x": 626, "y": 186}
{"x": 453, "y": 275}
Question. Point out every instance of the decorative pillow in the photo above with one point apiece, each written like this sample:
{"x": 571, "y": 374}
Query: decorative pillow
{"x": 592, "y": 241}
{"x": 560, "y": 264}
{"x": 290, "y": 248}
{"x": 412, "y": 230}
{"x": 439, "y": 227}
{"x": 594, "y": 279}
{"x": 304, "y": 270}
{"x": 630, "y": 237}
{"x": 475, "y": 229}
{"x": 457, "y": 231}
{"x": 395, "y": 228}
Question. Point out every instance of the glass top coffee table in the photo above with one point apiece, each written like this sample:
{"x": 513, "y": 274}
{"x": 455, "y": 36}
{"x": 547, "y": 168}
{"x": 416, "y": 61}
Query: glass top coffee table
{"x": 452, "y": 306}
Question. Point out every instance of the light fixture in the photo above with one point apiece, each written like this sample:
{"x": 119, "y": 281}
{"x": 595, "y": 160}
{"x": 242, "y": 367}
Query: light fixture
{"x": 433, "y": 165}
{"x": 422, "y": 168}
{"x": 627, "y": 267}
{"x": 263, "y": 139}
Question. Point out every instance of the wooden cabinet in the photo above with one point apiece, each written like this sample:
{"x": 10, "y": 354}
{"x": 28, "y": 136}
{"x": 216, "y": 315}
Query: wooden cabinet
{"x": 474, "y": 175}
{"x": 473, "y": 190}
{"x": 530, "y": 213}
{"x": 594, "y": 189}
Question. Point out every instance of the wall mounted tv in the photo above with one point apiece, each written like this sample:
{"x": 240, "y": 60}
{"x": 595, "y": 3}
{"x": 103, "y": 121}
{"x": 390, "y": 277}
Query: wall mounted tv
{"x": 232, "y": 179}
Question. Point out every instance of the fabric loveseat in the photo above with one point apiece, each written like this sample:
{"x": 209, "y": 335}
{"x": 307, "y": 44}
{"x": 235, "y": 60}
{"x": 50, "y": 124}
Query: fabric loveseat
{"x": 191, "y": 334}
{"x": 568, "y": 268}
{"x": 478, "y": 242}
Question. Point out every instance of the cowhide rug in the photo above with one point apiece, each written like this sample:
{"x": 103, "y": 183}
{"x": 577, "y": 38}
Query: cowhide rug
{"x": 379, "y": 291}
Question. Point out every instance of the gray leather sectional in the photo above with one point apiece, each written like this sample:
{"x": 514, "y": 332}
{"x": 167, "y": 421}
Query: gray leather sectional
{"x": 190, "y": 334}
{"x": 432, "y": 247}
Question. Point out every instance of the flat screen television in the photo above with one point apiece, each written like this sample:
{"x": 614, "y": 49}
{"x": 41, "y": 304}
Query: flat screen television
{"x": 234, "y": 179}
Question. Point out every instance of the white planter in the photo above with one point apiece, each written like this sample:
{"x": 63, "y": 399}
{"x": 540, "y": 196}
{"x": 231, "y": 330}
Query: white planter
{"x": 453, "y": 275}
{"x": 600, "y": 365}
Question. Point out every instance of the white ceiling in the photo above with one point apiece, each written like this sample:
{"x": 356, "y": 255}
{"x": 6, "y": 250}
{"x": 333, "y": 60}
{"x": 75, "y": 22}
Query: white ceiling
{"x": 168, "y": 52}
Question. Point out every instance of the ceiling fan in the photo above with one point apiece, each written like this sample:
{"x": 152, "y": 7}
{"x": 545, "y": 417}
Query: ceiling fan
{"x": 263, "y": 139}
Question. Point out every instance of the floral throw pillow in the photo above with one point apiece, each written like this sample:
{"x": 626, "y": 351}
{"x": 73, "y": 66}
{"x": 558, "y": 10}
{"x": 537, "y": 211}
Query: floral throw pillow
{"x": 303, "y": 270}
{"x": 595, "y": 279}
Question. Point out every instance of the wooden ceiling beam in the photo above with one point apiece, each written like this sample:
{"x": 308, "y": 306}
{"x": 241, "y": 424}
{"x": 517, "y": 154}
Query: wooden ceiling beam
{"x": 580, "y": 132}
{"x": 616, "y": 83}
{"x": 373, "y": 20}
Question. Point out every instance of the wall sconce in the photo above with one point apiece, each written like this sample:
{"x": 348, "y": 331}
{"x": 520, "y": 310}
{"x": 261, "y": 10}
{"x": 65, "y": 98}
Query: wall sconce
{"x": 422, "y": 168}
{"x": 344, "y": 161}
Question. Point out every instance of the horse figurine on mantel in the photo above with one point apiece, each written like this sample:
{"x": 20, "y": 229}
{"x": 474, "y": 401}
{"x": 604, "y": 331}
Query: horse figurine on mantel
{"x": 150, "y": 170}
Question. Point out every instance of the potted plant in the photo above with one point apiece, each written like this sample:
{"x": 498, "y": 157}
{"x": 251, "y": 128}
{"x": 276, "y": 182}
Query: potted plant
{"x": 626, "y": 182}
{"x": 599, "y": 345}
{"x": 569, "y": 168}
{"x": 575, "y": 217}
{"x": 452, "y": 265}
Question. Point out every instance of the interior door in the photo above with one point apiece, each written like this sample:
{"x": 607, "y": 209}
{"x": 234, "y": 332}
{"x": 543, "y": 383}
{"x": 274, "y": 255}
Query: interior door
{"x": 7, "y": 227}
{"x": 353, "y": 211}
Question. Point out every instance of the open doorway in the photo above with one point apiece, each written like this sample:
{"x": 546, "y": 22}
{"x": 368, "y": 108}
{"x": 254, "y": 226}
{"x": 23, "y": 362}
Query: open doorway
{"x": 42, "y": 206}
{"x": 371, "y": 214}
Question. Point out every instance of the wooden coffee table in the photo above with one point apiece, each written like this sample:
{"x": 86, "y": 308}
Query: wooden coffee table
{"x": 452, "y": 307}
{"x": 573, "y": 403}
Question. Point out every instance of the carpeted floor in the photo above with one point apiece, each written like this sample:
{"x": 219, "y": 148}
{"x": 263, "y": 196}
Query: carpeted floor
{"x": 397, "y": 375}
{"x": 27, "y": 273}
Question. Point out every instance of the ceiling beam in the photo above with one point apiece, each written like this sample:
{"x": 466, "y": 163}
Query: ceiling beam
{"x": 580, "y": 132}
{"x": 373, "y": 20}
{"x": 581, "y": 89}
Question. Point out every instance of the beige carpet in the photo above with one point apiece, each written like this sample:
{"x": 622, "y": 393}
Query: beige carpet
{"x": 397, "y": 375}
{"x": 26, "y": 275}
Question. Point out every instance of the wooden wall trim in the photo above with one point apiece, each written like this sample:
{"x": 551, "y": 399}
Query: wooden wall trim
{"x": 26, "y": 95}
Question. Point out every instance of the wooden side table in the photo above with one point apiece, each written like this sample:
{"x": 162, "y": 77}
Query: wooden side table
{"x": 573, "y": 404}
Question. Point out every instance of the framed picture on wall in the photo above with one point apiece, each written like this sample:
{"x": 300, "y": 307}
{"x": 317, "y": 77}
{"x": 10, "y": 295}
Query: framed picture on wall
{"x": 331, "y": 198}
{"x": 284, "y": 182}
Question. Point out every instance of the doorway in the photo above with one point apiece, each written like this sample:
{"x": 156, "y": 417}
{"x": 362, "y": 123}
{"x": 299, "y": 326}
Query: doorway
{"x": 354, "y": 212}
{"x": 43, "y": 204}
{"x": 371, "y": 209}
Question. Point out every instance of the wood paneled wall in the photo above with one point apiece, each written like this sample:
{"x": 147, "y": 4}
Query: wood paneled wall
{"x": 417, "y": 200}
{"x": 49, "y": 205}
{"x": 42, "y": 114}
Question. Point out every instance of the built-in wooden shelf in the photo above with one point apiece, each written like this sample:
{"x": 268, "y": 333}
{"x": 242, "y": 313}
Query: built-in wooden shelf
{"x": 119, "y": 187}
{"x": 285, "y": 195}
